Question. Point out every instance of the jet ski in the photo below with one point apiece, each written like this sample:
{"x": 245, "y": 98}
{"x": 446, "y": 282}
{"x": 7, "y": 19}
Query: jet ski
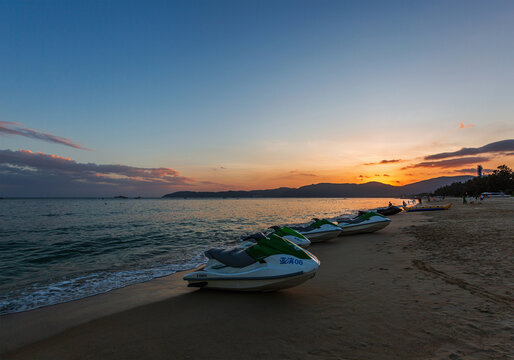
{"x": 272, "y": 263}
{"x": 292, "y": 235}
{"x": 319, "y": 230}
{"x": 285, "y": 232}
{"x": 365, "y": 223}
{"x": 386, "y": 211}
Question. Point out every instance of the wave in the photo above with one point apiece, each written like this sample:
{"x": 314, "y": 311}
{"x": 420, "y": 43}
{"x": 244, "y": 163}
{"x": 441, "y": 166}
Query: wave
{"x": 40, "y": 295}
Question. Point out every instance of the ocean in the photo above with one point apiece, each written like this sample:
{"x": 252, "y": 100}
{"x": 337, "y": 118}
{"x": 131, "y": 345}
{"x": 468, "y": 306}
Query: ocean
{"x": 58, "y": 250}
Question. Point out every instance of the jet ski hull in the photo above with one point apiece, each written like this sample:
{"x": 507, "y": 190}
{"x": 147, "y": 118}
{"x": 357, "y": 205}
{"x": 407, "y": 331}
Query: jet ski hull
{"x": 273, "y": 273}
{"x": 386, "y": 211}
{"x": 352, "y": 229}
{"x": 254, "y": 284}
{"x": 392, "y": 210}
{"x": 321, "y": 236}
{"x": 322, "y": 233}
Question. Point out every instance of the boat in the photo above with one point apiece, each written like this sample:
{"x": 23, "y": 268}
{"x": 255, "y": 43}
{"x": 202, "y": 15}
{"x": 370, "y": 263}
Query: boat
{"x": 272, "y": 263}
{"x": 494, "y": 194}
{"x": 292, "y": 235}
{"x": 427, "y": 207}
{"x": 386, "y": 210}
{"x": 319, "y": 230}
{"x": 365, "y": 223}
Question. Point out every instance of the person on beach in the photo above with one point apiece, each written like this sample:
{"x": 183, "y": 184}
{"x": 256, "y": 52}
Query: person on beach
{"x": 391, "y": 204}
{"x": 404, "y": 204}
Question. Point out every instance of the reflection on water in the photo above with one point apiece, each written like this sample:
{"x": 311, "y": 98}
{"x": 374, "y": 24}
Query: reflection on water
{"x": 55, "y": 250}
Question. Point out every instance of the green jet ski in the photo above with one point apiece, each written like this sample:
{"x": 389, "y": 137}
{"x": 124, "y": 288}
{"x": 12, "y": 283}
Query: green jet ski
{"x": 365, "y": 223}
{"x": 319, "y": 230}
{"x": 292, "y": 235}
{"x": 272, "y": 263}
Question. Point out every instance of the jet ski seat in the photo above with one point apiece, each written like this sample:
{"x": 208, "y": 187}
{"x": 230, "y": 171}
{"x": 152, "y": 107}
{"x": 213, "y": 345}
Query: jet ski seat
{"x": 351, "y": 221}
{"x": 235, "y": 257}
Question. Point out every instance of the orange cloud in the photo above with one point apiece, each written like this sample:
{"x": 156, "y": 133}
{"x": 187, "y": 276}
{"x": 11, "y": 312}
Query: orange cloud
{"x": 385, "y": 162}
{"x": 54, "y": 156}
{"x": 295, "y": 174}
{"x": 462, "y": 126}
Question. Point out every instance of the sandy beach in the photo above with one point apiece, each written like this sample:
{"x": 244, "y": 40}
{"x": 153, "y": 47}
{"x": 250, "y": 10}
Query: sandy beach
{"x": 432, "y": 285}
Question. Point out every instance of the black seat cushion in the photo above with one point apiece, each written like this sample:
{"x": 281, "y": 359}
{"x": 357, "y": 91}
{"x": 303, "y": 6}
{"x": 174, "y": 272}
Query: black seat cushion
{"x": 235, "y": 257}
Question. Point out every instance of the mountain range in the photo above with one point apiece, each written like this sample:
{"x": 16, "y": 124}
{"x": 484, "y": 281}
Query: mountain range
{"x": 370, "y": 189}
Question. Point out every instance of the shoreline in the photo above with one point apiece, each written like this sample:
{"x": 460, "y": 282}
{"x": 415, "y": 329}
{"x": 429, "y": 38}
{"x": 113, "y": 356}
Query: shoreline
{"x": 370, "y": 299}
{"x": 192, "y": 268}
{"x": 89, "y": 281}
{"x": 14, "y": 333}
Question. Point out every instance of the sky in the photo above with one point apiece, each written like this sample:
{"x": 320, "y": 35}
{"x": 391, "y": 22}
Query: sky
{"x": 100, "y": 98}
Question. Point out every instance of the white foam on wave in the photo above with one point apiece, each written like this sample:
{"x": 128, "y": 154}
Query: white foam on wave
{"x": 39, "y": 295}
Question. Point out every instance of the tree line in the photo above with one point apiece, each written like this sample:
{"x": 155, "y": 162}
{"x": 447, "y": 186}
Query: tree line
{"x": 501, "y": 179}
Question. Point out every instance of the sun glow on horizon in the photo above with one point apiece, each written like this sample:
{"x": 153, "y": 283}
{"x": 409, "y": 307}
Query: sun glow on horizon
{"x": 251, "y": 95}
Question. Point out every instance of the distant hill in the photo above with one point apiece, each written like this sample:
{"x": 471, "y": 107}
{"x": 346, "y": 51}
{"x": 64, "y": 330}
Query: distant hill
{"x": 370, "y": 189}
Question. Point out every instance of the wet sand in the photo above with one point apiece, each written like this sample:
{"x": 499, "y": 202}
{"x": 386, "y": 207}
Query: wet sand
{"x": 435, "y": 285}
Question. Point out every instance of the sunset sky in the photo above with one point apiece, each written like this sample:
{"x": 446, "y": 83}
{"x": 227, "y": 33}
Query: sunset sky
{"x": 145, "y": 98}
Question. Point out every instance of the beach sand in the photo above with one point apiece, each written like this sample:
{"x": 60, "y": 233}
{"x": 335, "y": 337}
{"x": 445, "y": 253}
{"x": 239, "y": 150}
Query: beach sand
{"x": 435, "y": 285}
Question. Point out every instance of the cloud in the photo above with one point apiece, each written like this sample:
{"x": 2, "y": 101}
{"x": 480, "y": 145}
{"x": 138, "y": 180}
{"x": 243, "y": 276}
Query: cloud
{"x": 462, "y": 126}
{"x": 495, "y": 147}
{"x": 444, "y": 164}
{"x": 472, "y": 171}
{"x": 385, "y": 162}
{"x": 27, "y": 171}
{"x": 386, "y": 175}
{"x": 219, "y": 168}
{"x": 296, "y": 174}
{"x": 13, "y": 128}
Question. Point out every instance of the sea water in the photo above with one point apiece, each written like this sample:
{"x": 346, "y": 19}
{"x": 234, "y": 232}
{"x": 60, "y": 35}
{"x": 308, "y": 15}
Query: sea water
{"x": 57, "y": 250}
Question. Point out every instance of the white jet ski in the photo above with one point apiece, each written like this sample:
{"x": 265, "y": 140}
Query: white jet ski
{"x": 272, "y": 263}
{"x": 365, "y": 223}
{"x": 319, "y": 230}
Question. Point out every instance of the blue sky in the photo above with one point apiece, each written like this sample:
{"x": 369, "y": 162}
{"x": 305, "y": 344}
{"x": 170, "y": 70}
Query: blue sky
{"x": 256, "y": 87}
